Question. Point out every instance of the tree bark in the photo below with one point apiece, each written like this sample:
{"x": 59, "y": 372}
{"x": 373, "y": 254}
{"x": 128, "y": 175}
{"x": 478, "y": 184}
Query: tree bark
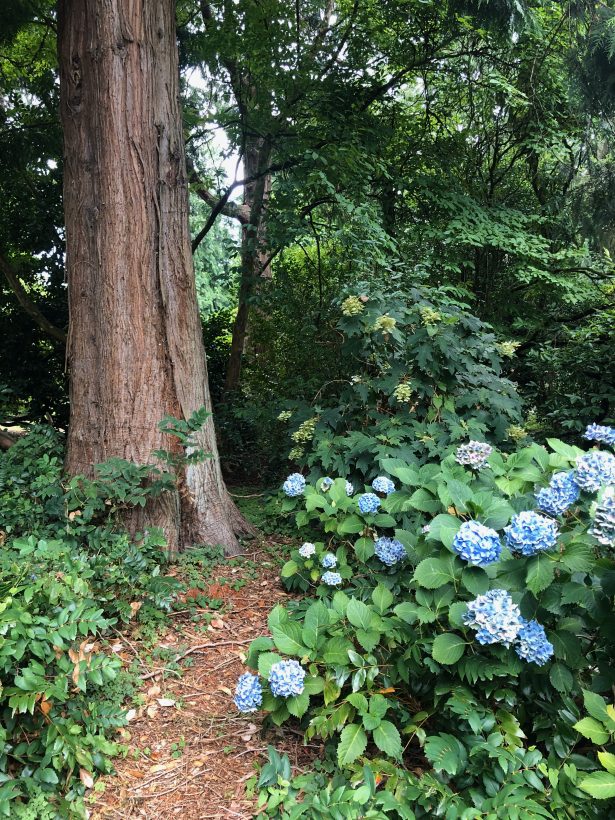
{"x": 135, "y": 347}
{"x": 254, "y": 257}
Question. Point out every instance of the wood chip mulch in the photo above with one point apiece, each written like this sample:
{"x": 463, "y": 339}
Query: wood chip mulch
{"x": 203, "y": 776}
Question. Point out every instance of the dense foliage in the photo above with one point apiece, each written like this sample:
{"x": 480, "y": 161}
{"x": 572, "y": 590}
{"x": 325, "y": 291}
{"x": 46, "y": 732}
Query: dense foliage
{"x": 446, "y": 659}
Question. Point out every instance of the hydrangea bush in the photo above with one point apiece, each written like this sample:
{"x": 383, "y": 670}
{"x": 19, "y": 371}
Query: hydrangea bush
{"x": 471, "y": 610}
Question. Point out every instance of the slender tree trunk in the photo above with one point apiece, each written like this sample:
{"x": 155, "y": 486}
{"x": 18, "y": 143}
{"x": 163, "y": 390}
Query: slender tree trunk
{"x": 134, "y": 348}
{"x": 254, "y": 255}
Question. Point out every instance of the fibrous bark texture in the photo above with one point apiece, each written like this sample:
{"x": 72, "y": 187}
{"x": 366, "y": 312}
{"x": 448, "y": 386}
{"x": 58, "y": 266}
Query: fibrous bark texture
{"x": 135, "y": 345}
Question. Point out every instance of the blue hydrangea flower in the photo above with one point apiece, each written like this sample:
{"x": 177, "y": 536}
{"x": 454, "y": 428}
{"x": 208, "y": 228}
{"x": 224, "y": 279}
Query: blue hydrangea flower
{"x": 603, "y": 526}
{"x": 594, "y": 470}
{"x": 294, "y": 485}
{"x": 477, "y": 544}
{"x": 495, "y": 617}
{"x": 349, "y": 489}
{"x": 286, "y": 679}
{"x": 600, "y": 432}
{"x": 532, "y": 644}
{"x": 331, "y": 579}
{"x": 384, "y": 485}
{"x": 325, "y": 483}
{"x": 473, "y": 454}
{"x": 307, "y": 550}
{"x": 561, "y": 493}
{"x": 530, "y": 533}
{"x": 328, "y": 560}
{"x": 368, "y": 503}
{"x": 390, "y": 551}
{"x": 249, "y": 693}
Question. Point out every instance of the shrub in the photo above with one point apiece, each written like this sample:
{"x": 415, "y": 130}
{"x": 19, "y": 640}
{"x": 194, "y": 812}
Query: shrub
{"x": 417, "y": 373}
{"x": 452, "y": 676}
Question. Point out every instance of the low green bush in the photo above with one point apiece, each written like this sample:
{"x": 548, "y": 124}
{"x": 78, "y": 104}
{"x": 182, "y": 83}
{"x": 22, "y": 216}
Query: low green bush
{"x": 446, "y": 651}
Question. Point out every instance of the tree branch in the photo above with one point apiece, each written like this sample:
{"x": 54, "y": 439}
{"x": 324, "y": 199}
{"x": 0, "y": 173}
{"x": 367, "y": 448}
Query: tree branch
{"x": 27, "y": 304}
{"x": 230, "y": 209}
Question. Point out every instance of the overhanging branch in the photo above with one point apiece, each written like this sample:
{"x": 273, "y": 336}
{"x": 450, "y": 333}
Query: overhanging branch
{"x": 27, "y": 304}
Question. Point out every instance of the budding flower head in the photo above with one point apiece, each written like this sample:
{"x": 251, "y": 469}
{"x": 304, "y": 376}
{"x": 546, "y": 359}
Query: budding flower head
{"x": 352, "y": 306}
{"x": 474, "y": 454}
{"x": 403, "y": 392}
{"x": 305, "y": 431}
{"x": 385, "y": 323}
{"x": 516, "y": 432}
{"x": 285, "y": 415}
{"x": 507, "y": 349}
{"x": 295, "y": 454}
{"x": 429, "y": 316}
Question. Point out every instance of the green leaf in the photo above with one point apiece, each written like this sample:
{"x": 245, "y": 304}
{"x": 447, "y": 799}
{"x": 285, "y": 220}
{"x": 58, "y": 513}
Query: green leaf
{"x": 446, "y": 753}
{"x": 561, "y": 677}
{"x": 378, "y": 706}
{"x": 600, "y": 785}
{"x": 424, "y": 501}
{"x": 475, "y": 580}
{"x": 608, "y": 761}
{"x": 369, "y": 639}
{"x": 266, "y": 661}
{"x": 595, "y": 706}
{"x": 353, "y": 741}
{"x": 578, "y": 557}
{"x": 448, "y": 648}
{"x": 359, "y": 614}
{"x": 407, "y": 612}
{"x": 290, "y": 568}
{"x": 444, "y": 528}
{"x": 563, "y": 449}
{"x": 540, "y": 573}
{"x": 350, "y": 524}
{"x": 387, "y": 739}
{"x": 287, "y": 638}
{"x": 364, "y": 549}
{"x": 316, "y": 617}
{"x": 336, "y": 651}
{"x": 456, "y": 612}
{"x": 432, "y": 573}
{"x": 258, "y": 645}
{"x": 298, "y": 704}
{"x": 382, "y": 598}
{"x": 313, "y": 684}
{"x": 592, "y": 730}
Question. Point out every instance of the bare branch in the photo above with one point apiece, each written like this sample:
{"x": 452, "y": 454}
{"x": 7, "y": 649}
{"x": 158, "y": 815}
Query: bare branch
{"x": 27, "y": 304}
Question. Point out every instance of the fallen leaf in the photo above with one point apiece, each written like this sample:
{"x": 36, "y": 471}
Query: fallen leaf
{"x": 86, "y": 778}
{"x": 135, "y": 773}
{"x": 152, "y": 710}
{"x": 135, "y": 606}
{"x": 45, "y": 706}
{"x": 166, "y": 701}
{"x": 131, "y": 715}
{"x": 153, "y": 691}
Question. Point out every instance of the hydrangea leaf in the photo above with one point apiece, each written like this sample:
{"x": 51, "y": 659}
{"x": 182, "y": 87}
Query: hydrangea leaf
{"x": 387, "y": 739}
{"x": 266, "y": 661}
{"x": 353, "y": 741}
{"x": 316, "y": 617}
{"x": 382, "y": 598}
{"x": 561, "y": 677}
{"x": 592, "y": 730}
{"x": 359, "y": 614}
{"x": 540, "y": 573}
{"x": 448, "y": 648}
{"x": 600, "y": 785}
{"x": 297, "y": 705}
{"x": 432, "y": 573}
{"x": 475, "y": 580}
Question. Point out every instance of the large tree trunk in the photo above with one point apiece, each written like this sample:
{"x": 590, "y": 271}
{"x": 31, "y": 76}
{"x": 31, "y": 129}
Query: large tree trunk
{"x": 134, "y": 349}
{"x": 254, "y": 253}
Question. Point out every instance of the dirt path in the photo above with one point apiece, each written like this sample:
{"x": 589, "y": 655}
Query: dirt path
{"x": 190, "y": 752}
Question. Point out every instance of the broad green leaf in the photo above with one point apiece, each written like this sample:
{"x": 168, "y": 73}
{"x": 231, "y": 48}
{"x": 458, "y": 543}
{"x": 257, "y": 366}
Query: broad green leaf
{"x": 364, "y": 548}
{"x": 595, "y": 705}
{"x": 382, "y": 598}
{"x": 432, "y": 573}
{"x": 608, "y": 761}
{"x": 266, "y": 661}
{"x": 444, "y": 528}
{"x": 313, "y": 684}
{"x": 475, "y": 580}
{"x": 287, "y": 638}
{"x": 600, "y": 785}
{"x": 336, "y": 651}
{"x": 378, "y": 706}
{"x": 561, "y": 677}
{"x": 387, "y": 739}
{"x": 316, "y": 617}
{"x": 456, "y": 612}
{"x": 298, "y": 704}
{"x": 446, "y": 753}
{"x": 350, "y": 524}
{"x": 592, "y": 730}
{"x": 448, "y": 648}
{"x": 353, "y": 741}
{"x": 540, "y": 573}
{"x": 368, "y": 638}
{"x": 359, "y": 614}
{"x": 290, "y": 568}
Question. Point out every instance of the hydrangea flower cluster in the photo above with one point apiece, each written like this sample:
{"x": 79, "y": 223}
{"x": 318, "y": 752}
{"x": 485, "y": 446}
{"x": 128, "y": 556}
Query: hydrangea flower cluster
{"x": 530, "y": 533}
{"x": 325, "y": 483}
{"x": 285, "y": 415}
{"x": 532, "y": 644}
{"x": 429, "y": 316}
{"x": 249, "y": 693}
{"x": 595, "y": 469}
{"x": 603, "y": 527}
{"x": 389, "y": 550}
{"x": 305, "y": 431}
{"x": 307, "y": 549}
{"x": 495, "y": 617}
{"x": 295, "y": 454}
{"x": 474, "y": 454}
{"x": 507, "y": 349}
{"x": 600, "y": 432}
{"x": 352, "y": 305}
{"x": 385, "y": 323}
{"x": 328, "y": 560}
{"x": 516, "y": 432}
{"x": 368, "y": 503}
{"x": 331, "y": 579}
{"x": 477, "y": 544}
{"x": 382, "y": 484}
{"x": 286, "y": 679}
{"x": 403, "y": 392}
{"x": 294, "y": 485}
{"x": 561, "y": 493}
{"x": 349, "y": 489}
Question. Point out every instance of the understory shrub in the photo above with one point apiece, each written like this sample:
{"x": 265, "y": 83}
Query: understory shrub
{"x": 417, "y": 373}
{"x": 68, "y": 572}
{"x": 458, "y": 628}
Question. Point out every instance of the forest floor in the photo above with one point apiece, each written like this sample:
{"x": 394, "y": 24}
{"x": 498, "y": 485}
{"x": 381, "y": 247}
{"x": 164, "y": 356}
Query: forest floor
{"x": 188, "y": 752}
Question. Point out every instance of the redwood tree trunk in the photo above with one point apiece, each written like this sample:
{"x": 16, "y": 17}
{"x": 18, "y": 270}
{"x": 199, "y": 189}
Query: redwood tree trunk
{"x": 254, "y": 252}
{"x": 135, "y": 347}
